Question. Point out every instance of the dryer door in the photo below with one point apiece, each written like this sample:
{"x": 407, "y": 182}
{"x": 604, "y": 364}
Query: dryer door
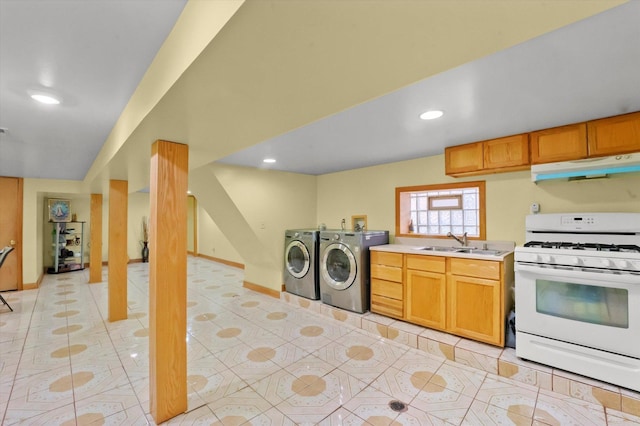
{"x": 297, "y": 259}
{"x": 338, "y": 266}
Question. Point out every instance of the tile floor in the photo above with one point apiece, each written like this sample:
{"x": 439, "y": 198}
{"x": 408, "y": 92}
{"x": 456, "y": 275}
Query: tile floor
{"x": 252, "y": 359}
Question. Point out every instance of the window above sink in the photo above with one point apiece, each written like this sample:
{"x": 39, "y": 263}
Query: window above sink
{"x": 435, "y": 210}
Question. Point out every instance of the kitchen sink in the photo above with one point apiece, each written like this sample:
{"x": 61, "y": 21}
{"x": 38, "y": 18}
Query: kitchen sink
{"x": 470, "y": 250}
{"x": 438, "y": 248}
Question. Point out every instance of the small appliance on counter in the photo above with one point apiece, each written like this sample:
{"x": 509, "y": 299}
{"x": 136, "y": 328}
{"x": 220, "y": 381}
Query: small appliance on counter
{"x": 344, "y": 267}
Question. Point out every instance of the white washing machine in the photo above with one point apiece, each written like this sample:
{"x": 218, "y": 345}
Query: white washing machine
{"x": 344, "y": 267}
{"x": 301, "y": 250}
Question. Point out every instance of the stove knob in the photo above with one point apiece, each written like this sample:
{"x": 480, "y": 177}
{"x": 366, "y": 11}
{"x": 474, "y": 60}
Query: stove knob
{"x": 574, "y": 260}
{"x": 545, "y": 258}
{"x": 606, "y": 263}
{"x": 624, "y": 264}
{"x": 336, "y": 237}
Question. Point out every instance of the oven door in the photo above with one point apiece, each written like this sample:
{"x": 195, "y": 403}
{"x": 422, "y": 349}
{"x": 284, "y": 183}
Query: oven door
{"x": 588, "y": 308}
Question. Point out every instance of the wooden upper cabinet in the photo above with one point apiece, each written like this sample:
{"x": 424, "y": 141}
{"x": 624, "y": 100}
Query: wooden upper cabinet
{"x": 463, "y": 158}
{"x": 506, "y": 154}
{"x": 559, "y": 144}
{"x": 511, "y": 152}
{"x": 614, "y": 135}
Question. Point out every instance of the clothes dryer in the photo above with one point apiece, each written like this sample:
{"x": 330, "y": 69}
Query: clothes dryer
{"x": 301, "y": 250}
{"x": 344, "y": 267}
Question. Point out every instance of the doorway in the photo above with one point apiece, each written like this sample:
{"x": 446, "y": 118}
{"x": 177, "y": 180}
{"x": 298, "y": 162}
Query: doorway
{"x": 192, "y": 225}
{"x": 11, "y": 232}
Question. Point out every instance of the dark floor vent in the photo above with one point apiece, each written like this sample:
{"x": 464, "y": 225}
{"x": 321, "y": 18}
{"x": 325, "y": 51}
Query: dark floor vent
{"x": 398, "y": 406}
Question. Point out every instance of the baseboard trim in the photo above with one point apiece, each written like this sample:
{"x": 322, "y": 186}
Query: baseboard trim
{"x": 260, "y": 289}
{"x": 223, "y": 261}
{"x": 33, "y": 286}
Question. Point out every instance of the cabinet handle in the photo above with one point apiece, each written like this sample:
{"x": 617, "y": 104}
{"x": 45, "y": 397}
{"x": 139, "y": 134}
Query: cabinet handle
{"x": 12, "y": 242}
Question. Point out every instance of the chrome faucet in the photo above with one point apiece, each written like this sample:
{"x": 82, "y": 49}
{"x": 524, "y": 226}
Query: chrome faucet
{"x": 462, "y": 241}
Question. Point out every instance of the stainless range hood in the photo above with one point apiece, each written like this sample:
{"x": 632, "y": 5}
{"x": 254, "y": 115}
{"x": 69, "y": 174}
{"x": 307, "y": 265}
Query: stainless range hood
{"x": 586, "y": 169}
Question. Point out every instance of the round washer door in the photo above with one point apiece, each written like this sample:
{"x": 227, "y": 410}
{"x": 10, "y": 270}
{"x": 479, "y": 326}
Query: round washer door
{"x": 297, "y": 258}
{"x": 338, "y": 266}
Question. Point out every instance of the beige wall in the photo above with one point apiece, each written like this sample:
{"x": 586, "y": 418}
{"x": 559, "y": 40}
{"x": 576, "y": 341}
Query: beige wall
{"x": 257, "y": 206}
{"x": 36, "y": 240}
{"x": 371, "y": 191}
{"x": 251, "y": 209}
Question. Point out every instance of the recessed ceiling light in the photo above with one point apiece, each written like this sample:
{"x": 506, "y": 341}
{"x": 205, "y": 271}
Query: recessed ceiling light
{"x": 430, "y": 115}
{"x": 45, "y": 99}
{"x": 269, "y": 160}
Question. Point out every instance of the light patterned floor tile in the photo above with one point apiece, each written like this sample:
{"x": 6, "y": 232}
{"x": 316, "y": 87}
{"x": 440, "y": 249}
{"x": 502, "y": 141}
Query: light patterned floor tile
{"x": 321, "y": 397}
{"x": 415, "y": 360}
{"x": 553, "y": 408}
{"x": 461, "y": 379}
{"x": 372, "y": 405}
{"x": 241, "y": 406}
{"x": 484, "y": 414}
{"x": 319, "y": 360}
{"x": 56, "y": 415}
{"x": 416, "y": 417}
{"x": 341, "y": 417}
{"x": 106, "y": 404}
{"x": 402, "y": 386}
{"x": 514, "y": 397}
{"x": 200, "y": 416}
{"x": 615, "y": 418}
{"x": 443, "y": 403}
{"x": 131, "y": 416}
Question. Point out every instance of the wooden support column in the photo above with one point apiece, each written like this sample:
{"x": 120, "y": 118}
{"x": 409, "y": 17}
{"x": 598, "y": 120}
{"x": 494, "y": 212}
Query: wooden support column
{"x": 118, "y": 258}
{"x": 168, "y": 280}
{"x": 95, "y": 239}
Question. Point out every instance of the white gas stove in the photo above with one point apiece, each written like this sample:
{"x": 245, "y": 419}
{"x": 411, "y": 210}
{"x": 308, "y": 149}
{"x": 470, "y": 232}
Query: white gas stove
{"x": 578, "y": 292}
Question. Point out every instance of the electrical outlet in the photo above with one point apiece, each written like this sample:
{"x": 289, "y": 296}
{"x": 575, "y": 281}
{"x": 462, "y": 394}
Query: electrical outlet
{"x": 535, "y": 208}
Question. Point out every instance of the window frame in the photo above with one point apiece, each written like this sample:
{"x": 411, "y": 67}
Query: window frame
{"x": 403, "y": 207}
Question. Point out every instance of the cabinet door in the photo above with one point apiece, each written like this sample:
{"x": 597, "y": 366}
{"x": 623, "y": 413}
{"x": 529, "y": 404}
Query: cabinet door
{"x": 511, "y": 152}
{"x": 475, "y": 310}
{"x": 614, "y": 135}
{"x": 463, "y": 158}
{"x": 559, "y": 144}
{"x": 426, "y": 299}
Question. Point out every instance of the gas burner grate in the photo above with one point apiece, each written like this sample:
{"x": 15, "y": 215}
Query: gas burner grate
{"x": 629, "y": 248}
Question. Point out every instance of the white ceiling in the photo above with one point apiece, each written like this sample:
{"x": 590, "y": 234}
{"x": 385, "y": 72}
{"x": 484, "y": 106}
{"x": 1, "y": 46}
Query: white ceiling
{"x": 586, "y": 70}
{"x": 94, "y": 53}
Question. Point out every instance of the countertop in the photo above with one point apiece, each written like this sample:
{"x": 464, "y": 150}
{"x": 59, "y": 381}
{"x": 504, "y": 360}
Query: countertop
{"x": 413, "y": 246}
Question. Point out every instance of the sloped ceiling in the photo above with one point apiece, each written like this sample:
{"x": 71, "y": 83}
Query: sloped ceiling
{"x": 274, "y": 70}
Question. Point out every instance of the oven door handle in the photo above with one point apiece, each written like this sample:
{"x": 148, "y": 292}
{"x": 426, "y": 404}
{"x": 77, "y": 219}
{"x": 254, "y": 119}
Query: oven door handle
{"x": 576, "y": 274}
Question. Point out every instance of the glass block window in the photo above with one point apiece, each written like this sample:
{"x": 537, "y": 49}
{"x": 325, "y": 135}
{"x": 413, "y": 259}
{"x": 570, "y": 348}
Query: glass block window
{"x": 435, "y": 210}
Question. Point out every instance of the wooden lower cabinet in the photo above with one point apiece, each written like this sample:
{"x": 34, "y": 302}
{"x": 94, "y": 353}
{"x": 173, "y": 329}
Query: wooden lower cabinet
{"x": 427, "y": 299}
{"x": 387, "y": 290}
{"x": 475, "y": 309}
{"x": 462, "y": 296}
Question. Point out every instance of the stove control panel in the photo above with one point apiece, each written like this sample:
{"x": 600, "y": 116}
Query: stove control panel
{"x": 577, "y": 220}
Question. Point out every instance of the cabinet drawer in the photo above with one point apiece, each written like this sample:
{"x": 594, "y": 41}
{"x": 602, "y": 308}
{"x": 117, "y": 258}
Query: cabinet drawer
{"x": 386, "y": 288}
{"x": 390, "y": 273}
{"x": 386, "y": 306}
{"x": 426, "y": 263}
{"x": 475, "y": 268}
{"x": 386, "y": 258}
